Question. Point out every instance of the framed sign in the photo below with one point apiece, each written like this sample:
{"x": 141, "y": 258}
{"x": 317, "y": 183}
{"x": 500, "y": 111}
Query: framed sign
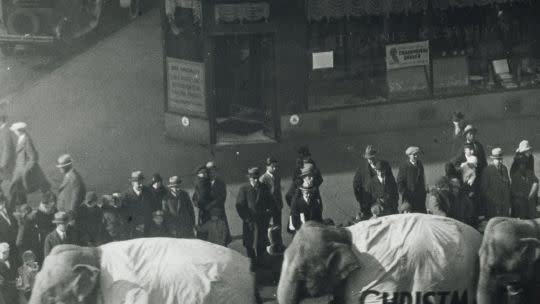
{"x": 407, "y": 54}
{"x": 186, "y": 87}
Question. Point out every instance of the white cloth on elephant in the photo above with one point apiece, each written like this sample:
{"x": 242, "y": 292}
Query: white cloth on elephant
{"x": 174, "y": 271}
{"x": 425, "y": 258}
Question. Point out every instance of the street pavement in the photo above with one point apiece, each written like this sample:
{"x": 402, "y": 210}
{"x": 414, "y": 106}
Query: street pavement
{"x": 105, "y": 107}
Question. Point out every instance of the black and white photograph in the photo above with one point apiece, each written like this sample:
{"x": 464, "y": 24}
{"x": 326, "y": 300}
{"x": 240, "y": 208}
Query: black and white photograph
{"x": 269, "y": 151}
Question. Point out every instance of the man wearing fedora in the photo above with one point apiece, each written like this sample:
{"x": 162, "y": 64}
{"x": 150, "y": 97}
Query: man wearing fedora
{"x": 72, "y": 191}
{"x": 307, "y": 203}
{"x": 7, "y": 150}
{"x": 524, "y": 154}
{"x": 255, "y": 206}
{"x": 178, "y": 210}
{"x": 364, "y": 173}
{"x": 382, "y": 192}
{"x": 60, "y": 235}
{"x": 27, "y": 175}
{"x": 139, "y": 203}
{"x": 411, "y": 181}
{"x": 218, "y": 195}
{"x": 495, "y": 187}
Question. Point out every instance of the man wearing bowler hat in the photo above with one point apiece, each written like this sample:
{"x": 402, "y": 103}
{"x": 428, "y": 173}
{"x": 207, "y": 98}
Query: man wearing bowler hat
{"x": 140, "y": 203}
{"x": 255, "y": 206}
{"x": 364, "y": 173}
{"x": 411, "y": 181}
{"x": 495, "y": 187}
{"x": 60, "y": 235}
{"x": 72, "y": 190}
{"x": 178, "y": 209}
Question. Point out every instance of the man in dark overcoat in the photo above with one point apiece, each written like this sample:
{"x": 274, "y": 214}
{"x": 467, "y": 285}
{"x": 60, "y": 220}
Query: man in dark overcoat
{"x": 7, "y": 151}
{"x": 411, "y": 181}
{"x": 27, "y": 175}
{"x": 72, "y": 191}
{"x": 304, "y": 157}
{"x": 89, "y": 221}
{"x": 382, "y": 191}
{"x": 255, "y": 206}
{"x": 364, "y": 173}
{"x": 139, "y": 202}
{"x": 218, "y": 196}
{"x": 495, "y": 187}
{"x": 178, "y": 210}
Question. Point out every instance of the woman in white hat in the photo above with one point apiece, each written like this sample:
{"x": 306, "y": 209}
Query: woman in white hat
{"x": 524, "y": 153}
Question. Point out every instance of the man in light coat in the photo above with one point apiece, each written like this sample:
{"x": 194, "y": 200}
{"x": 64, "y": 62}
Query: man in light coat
{"x": 72, "y": 190}
{"x": 27, "y": 175}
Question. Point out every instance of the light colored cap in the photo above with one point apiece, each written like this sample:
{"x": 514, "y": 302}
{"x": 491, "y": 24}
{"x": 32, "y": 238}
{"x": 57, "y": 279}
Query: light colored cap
{"x": 469, "y": 128}
{"x": 211, "y": 165}
{"x": 174, "y": 181}
{"x": 496, "y": 153}
{"x": 524, "y": 146}
{"x": 64, "y": 160}
{"x": 18, "y": 126}
{"x": 412, "y": 150}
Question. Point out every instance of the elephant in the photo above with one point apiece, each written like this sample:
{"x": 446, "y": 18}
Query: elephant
{"x": 145, "y": 271}
{"x": 509, "y": 261}
{"x": 404, "y": 258}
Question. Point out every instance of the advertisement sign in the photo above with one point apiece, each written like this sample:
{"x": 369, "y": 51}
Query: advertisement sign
{"x": 407, "y": 55}
{"x": 323, "y": 60}
{"x": 186, "y": 87}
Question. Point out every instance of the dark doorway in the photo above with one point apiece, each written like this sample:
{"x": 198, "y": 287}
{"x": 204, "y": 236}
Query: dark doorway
{"x": 245, "y": 88}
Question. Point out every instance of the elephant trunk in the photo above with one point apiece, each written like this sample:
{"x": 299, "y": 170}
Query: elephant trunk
{"x": 288, "y": 287}
{"x": 486, "y": 287}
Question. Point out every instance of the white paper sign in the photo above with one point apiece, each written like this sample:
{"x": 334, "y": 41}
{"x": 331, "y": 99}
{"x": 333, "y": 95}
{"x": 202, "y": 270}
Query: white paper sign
{"x": 323, "y": 60}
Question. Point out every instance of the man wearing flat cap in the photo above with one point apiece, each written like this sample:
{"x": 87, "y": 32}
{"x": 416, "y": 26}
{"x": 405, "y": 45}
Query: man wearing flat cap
{"x": 255, "y": 206}
{"x": 364, "y": 173}
{"x": 411, "y": 181}
{"x": 495, "y": 187}
{"x": 27, "y": 175}
{"x": 382, "y": 192}
{"x": 72, "y": 191}
{"x": 178, "y": 209}
{"x": 140, "y": 204}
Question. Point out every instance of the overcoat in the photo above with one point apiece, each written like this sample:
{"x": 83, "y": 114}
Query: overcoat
{"x": 412, "y": 186}
{"x": 384, "y": 194}
{"x": 495, "y": 188}
{"x": 179, "y": 214}
{"x": 363, "y": 175}
{"x": 522, "y": 206}
{"x": 71, "y": 192}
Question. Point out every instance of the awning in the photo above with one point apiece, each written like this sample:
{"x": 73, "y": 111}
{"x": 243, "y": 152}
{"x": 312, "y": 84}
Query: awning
{"x": 325, "y": 9}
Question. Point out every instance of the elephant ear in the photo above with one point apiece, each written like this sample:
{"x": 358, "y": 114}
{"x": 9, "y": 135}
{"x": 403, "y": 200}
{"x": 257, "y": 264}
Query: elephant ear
{"x": 86, "y": 277}
{"x": 341, "y": 262}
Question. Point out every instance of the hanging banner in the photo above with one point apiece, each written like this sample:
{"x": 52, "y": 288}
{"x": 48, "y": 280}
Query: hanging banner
{"x": 407, "y": 55}
{"x": 185, "y": 87}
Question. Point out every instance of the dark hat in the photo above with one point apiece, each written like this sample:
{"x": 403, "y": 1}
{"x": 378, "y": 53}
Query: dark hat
{"x": 276, "y": 246}
{"x": 254, "y": 172}
{"x": 303, "y": 151}
{"x": 270, "y": 160}
{"x": 64, "y": 160}
{"x": 215, "y": 212}
{"x": 370, "y": 152}
{"x": 174, "y": 181}
{"x": 457, "y": 116}
{"x": 156, "y": 178}
{"x": 60, "y": 217}
{"x": 91, "y": 196}
{"x": 136, "y": 176}
{"x": 469, "y": 128}
{"x": 307, "y": 169}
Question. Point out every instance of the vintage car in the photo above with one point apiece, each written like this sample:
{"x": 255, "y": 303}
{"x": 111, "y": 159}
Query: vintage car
{"x": 52, "y": 21}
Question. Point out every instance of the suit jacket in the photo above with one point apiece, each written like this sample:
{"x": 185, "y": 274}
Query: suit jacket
{"x": 139, "y": 207}
{"x": 495, "y": 189}
{"x": 7, "y": 153}
{"x": 254, "y": 201}
{"x": 53, "y": 239}
{"x": 311, "y": 210}
{"x": 273, "y": 182}
{"x": 179, "y": 214}
{"x": 218, "y": 195}
{"x": 384, "y": 194}
{"x": 71, "y": 192}
{"x": 412, "y": 186}
{"x": 363, "y": 175}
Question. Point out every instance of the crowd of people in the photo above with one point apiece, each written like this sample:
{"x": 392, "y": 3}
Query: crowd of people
{"x": 470, "y": 190}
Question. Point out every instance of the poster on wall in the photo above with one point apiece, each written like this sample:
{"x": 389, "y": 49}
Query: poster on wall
{"x": 323, "y": 60}
{"x": 185, "y": 87}
{"x": 407, "y": 54}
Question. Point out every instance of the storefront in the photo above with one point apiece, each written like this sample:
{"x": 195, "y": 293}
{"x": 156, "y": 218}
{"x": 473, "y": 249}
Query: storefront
{"x": 266, "y": 71}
